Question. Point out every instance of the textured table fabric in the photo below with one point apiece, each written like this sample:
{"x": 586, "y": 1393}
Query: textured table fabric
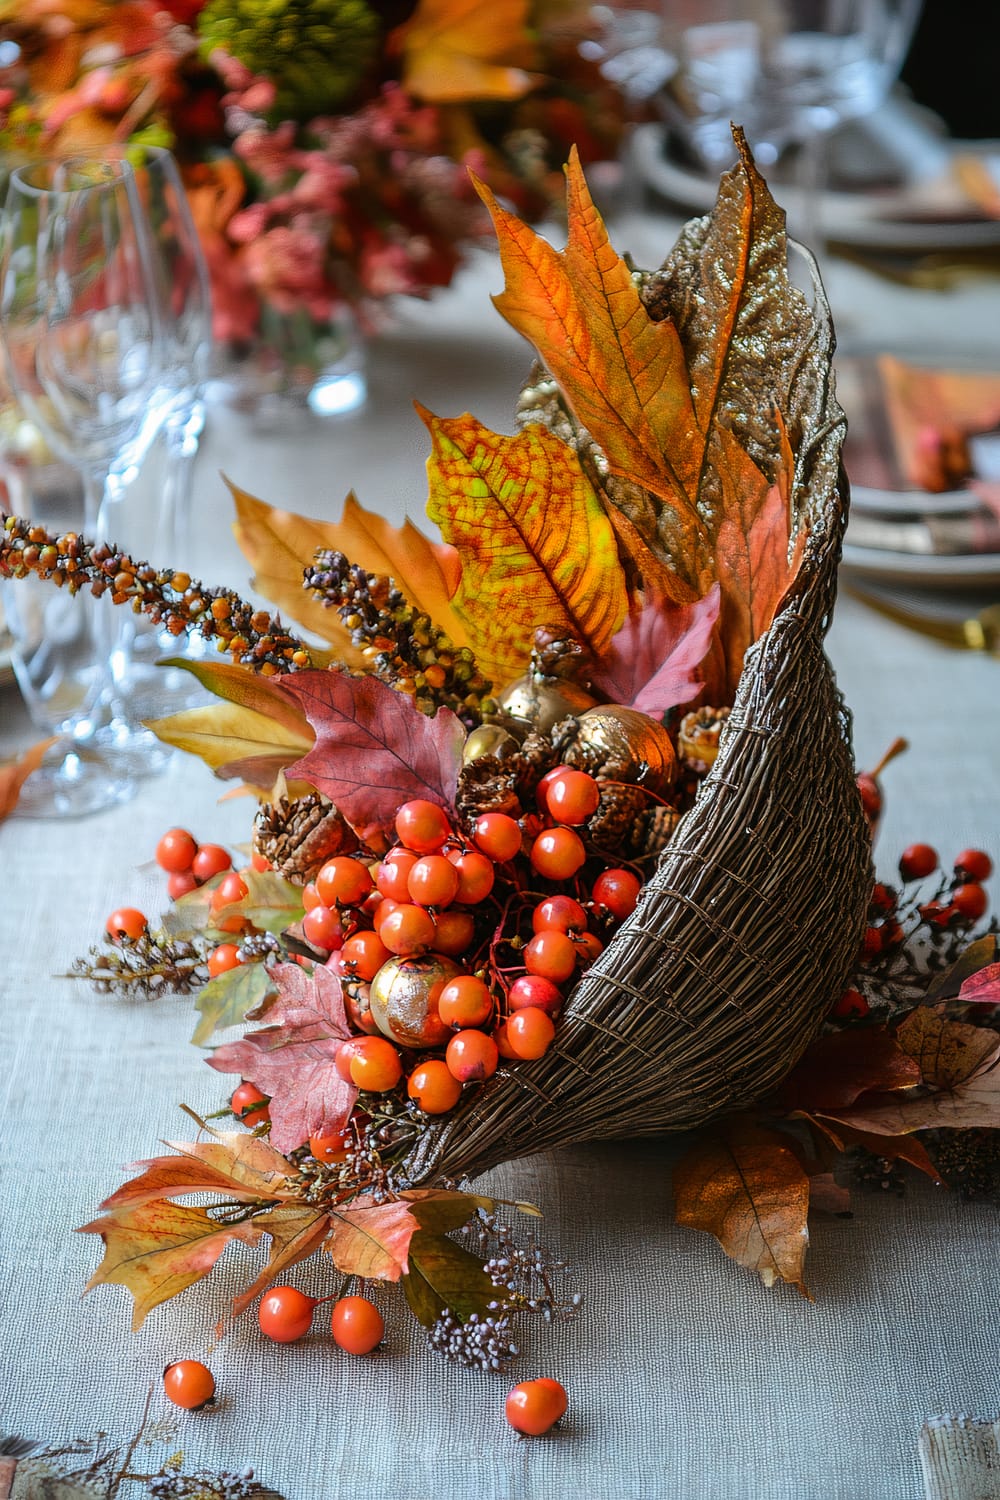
{"x": 687, "y": 1378}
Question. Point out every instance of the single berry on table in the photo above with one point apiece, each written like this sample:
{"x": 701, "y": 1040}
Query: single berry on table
{"x": 535, "y": 1406}
{"x": 285, "y": 1313}
{"x": 189, "y": 1383}
{"x": 356, "y": 1324}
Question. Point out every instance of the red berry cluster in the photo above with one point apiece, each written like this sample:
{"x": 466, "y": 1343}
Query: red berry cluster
{"x": 450, "y": 959}
{"x": 893, "y": 916}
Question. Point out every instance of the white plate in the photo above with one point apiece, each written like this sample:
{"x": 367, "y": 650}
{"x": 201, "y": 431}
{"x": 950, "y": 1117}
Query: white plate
{"x": 876, "y": 220}
{"x": 912, "y": 502}
{"x": 980, "y": 569}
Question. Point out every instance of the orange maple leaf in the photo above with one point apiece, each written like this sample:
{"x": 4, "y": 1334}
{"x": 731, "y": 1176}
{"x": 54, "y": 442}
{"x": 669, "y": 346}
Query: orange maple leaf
{"x": 14, "y": 775}
{"x": 460, "y": 50}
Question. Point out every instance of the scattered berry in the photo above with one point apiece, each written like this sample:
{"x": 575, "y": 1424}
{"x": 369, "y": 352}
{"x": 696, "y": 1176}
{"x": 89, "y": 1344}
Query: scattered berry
{"x": 285, "y": 1313}
{"x": 176, "y": 851}
{"x": 535, "y": 1406}
{"x": 356, "y": 1324}
{"x": 974, "y": 864}
{"x": 125, "y": 922}
{"x": 189, "y": 1383}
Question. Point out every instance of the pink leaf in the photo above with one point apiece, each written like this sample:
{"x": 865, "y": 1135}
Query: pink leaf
{"x": 292, "y": 1059}
{"x": 652, "y": 662}
{"x": 373, "y": 748}
{"x": 982, "y": 988}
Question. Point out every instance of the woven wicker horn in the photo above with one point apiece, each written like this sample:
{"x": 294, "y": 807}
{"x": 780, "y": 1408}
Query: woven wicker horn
{"x": 752, "y": 923}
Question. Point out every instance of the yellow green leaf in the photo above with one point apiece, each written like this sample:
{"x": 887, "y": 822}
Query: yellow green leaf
{"x": 225, "y": 735}
{"x": 536, "y": 547}
{"x": 159, "y": 1248}
{"x": 444, "y": 1275}
{"x": 226, "y": 999}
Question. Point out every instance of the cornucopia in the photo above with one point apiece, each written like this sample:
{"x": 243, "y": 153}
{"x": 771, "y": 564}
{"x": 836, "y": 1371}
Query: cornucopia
{"x": 679, "y": 443}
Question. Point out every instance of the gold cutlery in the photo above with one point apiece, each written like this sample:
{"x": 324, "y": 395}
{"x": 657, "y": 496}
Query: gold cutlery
{"x": 976, "y": 632}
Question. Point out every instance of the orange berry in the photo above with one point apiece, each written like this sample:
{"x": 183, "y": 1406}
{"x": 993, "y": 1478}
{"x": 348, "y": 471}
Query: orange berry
{"x": 226, "y": 956}
{"x": 189, "y": 1383}
{"x": 249, "y": 1104}
{"x": 465, "y": 1001}
{"x": 535, "y": 1405}
{"x": 176, "y": 851}
{"x": 210, "y": 860}
{"x": 472, "y": 1056}
{"x": 285, "y": 1314}
{"x": 126, "y": 921}
{"x": 454, "y": 931}
{"x": 434, "y": 1087}
{"x": 530, "y": 1032}
{"x": 344, "y": 881}
{"x": 375, "y": 1065}
{"x": 364, "y": 953}
{"x": 356, "y": 1324}
{"x": 179, "y": 883}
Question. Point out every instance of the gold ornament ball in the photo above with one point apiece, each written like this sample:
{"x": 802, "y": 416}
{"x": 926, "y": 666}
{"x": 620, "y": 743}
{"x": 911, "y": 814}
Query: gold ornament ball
{"x": 624, "y": 744}
{"x": 544, "y": 702}
{"x": 404, "y": 999}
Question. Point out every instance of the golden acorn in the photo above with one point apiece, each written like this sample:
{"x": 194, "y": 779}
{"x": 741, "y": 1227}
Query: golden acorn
{"x": 543, "y": 701}
{"x": 698, "y": 736}
{"x": 615, "y": 743}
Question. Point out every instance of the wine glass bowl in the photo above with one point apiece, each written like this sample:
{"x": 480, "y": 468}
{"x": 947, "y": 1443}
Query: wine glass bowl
{"x": 786, "y": 70}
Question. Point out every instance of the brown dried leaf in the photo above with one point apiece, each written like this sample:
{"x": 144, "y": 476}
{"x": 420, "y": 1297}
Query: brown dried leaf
{"x": 974, "y": 1104}
{"x": 241, "y": 1166}
{"x": 747, "y": 1186}
{"x": 837, "y": 1069}
{"x": 947, "y": 1052}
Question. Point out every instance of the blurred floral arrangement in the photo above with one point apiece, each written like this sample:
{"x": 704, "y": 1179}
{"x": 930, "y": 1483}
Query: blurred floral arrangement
{"x": 324, "y": 143}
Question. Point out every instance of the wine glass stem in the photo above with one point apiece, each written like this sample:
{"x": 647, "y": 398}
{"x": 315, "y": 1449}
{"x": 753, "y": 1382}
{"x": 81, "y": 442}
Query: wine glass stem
{"x": 811, "y": 174}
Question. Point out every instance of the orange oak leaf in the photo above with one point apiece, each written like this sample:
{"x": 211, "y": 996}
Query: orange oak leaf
{"x": 241, "y": 1166}
{"x": 748, "y": 1188}
{"x": 536, "y": 547}
{"x": 159, "y": 1248}
{"x": 652, "y": 663}
{"x": 292, "y": 1059}
{"x": 948, "y": 1053}
{"x": 623, "y": 374}
{"x": 374, "y": 749}
{"x": 372, "y": 1239}
{"x": 15, "y": 774}
{"x": 456, "y": 51}
{"x": 296, "y": 1232}
{"x": 280, "y": 545}
{"x": 256, "y": 731}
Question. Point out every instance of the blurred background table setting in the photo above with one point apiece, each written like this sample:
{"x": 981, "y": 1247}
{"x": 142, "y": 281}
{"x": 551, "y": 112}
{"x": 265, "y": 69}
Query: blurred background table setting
{"x": 301, "y": 257}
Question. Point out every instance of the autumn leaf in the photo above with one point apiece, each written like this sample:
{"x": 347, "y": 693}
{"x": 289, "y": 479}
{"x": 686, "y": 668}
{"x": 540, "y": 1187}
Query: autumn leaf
{"x": 748, "y": 1188}
{"x": 374, "y": 749}
{"x": 292, "y": 1059}
{"x": 280, "y": 546}
{"x": 240, "y": 1166}
{"x": 457, "y": 51}
{"x": 271, "y": 903}
{"x": 444, "y": 1208}
{"x": 14, "y": 774}
{"x": 652, "y": 662}
{"x": 536, "y": 547}
{"x": 623, "y": 374}
{"x": 908, "y": 1148}
{"x": 838, "y": 1068}
{"x": 443, "y": 1274}
{"x": 227, "y": 999}
{"x": 157, "y": 1249}
{"x": 972, "y": 1105}
{"x": 237, "y": 743}
{"x": 372, "y": 1239}
{"x": 982, "y": 987}
{"x": 948, "y": 1053}
{"x": 296, "y": 1232}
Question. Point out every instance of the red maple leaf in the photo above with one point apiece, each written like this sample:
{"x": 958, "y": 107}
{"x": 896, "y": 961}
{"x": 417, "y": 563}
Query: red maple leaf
{"x": 292, "y": 1059}
{"x": 373, "y": 748}
{"x": 652, "y": 663}
{"x": 982, "y": 987}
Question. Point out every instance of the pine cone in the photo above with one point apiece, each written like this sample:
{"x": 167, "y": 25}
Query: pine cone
{"x": 698, "y": 736}
{"x": 652, "y": 831}
{"x": 299, "y": 836}
{"x": 487, "y": 785}
{"x": 610, "y": 828}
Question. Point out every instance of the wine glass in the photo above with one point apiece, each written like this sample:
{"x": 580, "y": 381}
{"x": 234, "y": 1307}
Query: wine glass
{"x": 173, "y": 423}
{"x": 788, "y": 71}
{"x": 83, "y": 350}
